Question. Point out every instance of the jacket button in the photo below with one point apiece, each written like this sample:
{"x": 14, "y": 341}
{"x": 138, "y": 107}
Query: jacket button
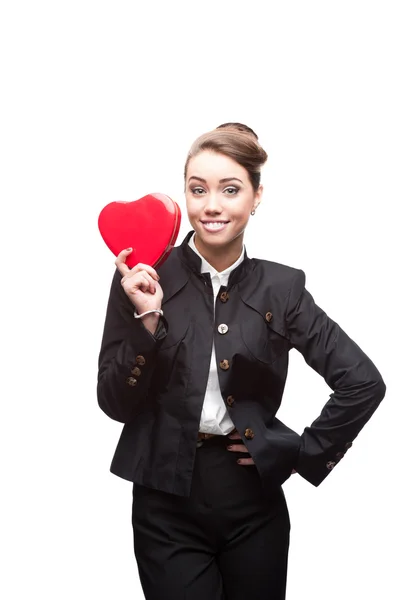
{"x": 249, "y": 434}
{"x": 224, "y": 297}
{"x": 140, "y": 360}
{"x": 230, "y": 400}
{"x": 330, "y": 465}
{"x": 268, "y": 317}
{"x": 223, "y": 329}
{"x": 224, "y": 364}
{"x": 348, "y": 445}
{"x": 131, "y": 381}
{"x": 136, "y": 372}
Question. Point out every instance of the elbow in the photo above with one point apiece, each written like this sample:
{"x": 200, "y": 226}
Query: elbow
{"x": 376, "y": 388}
{"x": 110, "y": 411}
{"x": 112, "y": 404}
{"x": 374, "y": 383}
{"x": 380, "y": 390}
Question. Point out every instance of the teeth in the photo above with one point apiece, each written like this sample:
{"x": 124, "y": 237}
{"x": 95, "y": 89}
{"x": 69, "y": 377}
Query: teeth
{"x": 214, "y": 225}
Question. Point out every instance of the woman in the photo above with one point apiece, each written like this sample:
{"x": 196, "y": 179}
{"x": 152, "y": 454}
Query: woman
{"x": 194, "y": 361}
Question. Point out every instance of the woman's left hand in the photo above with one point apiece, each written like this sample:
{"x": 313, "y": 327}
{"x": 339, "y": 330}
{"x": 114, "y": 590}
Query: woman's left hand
{"x": 239, "y": 448}
{"x": 242, "y": 448}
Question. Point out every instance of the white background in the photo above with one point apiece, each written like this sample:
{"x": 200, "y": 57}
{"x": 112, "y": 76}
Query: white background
{"x": 100, "y": 102}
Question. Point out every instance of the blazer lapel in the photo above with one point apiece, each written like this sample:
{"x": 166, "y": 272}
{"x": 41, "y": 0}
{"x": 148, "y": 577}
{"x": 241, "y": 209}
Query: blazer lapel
{"x": 173, "y": 276}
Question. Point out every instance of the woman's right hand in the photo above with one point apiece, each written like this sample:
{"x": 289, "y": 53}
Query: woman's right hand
{"x": 141, "y": 284}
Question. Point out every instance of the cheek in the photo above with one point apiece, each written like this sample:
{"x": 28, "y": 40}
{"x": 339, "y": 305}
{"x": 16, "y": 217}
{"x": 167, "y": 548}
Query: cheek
{"x": 243, "y": 210}
{"x": 240, "y": 215}
{"x": 193, "y": 208}
{"x": 192, "y": 218}
{"x": 189, "y": 209}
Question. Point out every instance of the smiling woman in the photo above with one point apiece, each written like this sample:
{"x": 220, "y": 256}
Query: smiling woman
{"x": 218, "y": 210}
{"x": 194, "y": 360}
{"x": 222, "y": 175}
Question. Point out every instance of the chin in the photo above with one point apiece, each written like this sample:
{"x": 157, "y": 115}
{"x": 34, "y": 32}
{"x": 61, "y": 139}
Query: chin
{"x": 215, "y": 240}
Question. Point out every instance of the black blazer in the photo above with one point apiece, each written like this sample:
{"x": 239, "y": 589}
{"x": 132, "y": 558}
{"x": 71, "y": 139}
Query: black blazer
{"x": 155, "y": 384}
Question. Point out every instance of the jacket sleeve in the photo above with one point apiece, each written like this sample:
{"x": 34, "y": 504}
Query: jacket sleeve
{"x": 357, "y": 385}
{"x": 127, "y": 356}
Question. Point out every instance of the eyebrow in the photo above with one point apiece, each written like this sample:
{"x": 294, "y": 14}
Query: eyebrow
{"x": 220, "y": 181}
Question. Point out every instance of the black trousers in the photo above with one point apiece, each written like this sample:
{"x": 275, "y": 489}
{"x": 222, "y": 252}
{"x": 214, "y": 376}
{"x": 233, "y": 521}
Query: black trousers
{"x": 227, "y": 541}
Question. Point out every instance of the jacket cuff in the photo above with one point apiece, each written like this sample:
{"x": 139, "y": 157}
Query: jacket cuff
{"x": 316, "y": 459}
{"x": 139, "y": 351}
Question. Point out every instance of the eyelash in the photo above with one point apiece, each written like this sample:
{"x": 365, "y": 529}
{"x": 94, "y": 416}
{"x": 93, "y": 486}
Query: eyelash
{"x": 230, "y": 187}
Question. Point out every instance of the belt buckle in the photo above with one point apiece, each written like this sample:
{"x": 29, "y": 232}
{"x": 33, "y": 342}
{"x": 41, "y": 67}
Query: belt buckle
{"x": 202, "y": 437}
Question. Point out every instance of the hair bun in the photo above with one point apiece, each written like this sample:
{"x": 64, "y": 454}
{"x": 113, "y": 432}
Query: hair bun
{"x": 238, "y": 127}
{"x": 236, "y": 141}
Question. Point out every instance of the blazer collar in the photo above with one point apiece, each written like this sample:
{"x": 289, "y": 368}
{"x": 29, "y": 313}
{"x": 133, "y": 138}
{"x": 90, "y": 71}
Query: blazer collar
{"x": 193, "y": 261}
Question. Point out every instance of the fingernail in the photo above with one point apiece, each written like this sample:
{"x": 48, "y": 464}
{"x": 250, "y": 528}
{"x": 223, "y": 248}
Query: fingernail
{"x": 229, "y": 447}
{"x": 239, "y": 462}
{"x": 127, "y": 249}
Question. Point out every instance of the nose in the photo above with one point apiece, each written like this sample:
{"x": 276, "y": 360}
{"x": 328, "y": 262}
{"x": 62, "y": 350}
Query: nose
{"x": 212, "y": 204}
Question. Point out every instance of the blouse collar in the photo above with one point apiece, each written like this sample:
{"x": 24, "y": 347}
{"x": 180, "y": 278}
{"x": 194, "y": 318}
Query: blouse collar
{"x": 206, "y": 267}
{"x": 193, "y": 259}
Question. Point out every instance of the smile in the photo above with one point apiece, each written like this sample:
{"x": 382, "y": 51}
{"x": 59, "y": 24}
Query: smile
{"x": 214, "y": 225}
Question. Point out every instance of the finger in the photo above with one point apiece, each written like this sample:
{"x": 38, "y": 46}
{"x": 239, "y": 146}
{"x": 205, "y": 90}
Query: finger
{"x": 144, "y": 283}
{"x": 234, "y": 436}
{"x": 293, "y": 471}
{"x": 120, "y": 261}
{"x": 138, "y": 283}
{"x": 245, "y": 461}
{"x": 151, "y": 283}
{"x": 148, "y": 269}
{"x": 135, "y": 271}
{"x": 237, "y": 448}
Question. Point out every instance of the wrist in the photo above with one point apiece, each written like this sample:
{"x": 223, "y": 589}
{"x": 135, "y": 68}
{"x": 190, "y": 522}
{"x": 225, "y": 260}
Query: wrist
{"x": 143, "y": 314}
{"x": 150, "y": 318}
{"x": 151, "y": 321}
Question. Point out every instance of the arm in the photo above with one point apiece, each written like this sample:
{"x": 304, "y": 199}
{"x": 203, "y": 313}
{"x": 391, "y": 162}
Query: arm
{"x": 127, "y": 346}
{"x": 357, "y": 385}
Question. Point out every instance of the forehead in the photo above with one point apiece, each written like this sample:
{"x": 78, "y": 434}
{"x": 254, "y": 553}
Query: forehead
{"x": 211, "y": 166}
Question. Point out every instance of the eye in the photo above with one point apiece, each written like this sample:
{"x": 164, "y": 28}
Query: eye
{"x": 231, "y": 190}
{"x": 197, "y": 191}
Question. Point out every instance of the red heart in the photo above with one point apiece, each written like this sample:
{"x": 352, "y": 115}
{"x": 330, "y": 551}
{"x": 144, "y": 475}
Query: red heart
{"x": 149, "y": 225}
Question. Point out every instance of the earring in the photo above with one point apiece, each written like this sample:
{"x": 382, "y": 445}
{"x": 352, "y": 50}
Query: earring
{"x": 252, "y": 212}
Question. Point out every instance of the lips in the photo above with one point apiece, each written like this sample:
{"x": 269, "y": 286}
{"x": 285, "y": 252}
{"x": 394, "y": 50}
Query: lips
{"x": 214, "y": 226}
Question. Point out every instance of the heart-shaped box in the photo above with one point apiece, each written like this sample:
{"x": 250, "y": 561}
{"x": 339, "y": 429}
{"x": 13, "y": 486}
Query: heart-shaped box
{"x": 149, "y": 225}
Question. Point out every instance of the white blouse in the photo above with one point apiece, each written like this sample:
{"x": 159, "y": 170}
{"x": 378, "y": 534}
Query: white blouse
{"x": 214, "y": 416}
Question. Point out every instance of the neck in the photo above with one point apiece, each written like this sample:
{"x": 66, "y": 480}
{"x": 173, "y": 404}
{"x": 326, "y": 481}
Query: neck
{"x": 222, "y": 257}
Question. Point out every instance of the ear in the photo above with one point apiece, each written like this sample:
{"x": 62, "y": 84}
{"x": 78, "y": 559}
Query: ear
{"x": 258, "y": 197}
